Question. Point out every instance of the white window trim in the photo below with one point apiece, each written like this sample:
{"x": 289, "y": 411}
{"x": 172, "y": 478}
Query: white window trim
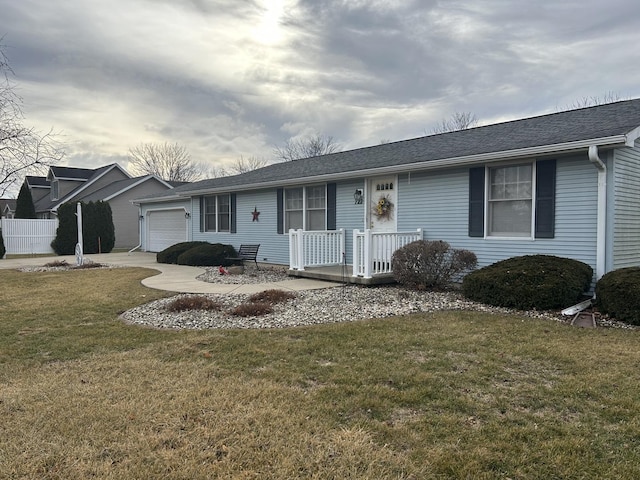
{"x": 304, "y": 206}
{"x": 487, "y": 201}
{"x": 204, "y": 214}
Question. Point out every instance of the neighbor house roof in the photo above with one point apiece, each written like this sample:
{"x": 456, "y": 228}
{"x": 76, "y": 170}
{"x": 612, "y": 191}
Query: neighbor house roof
{"x": 37, "y": 182}
{"x": 118, "y": 188}
{"x": 613, "y": 124}
{"x": 7, "y": 205}
{"x": 85, "y": 175}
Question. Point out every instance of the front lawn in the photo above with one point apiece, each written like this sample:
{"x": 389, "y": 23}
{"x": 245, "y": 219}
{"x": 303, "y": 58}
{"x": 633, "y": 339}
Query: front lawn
{"x": 445, "y": 395}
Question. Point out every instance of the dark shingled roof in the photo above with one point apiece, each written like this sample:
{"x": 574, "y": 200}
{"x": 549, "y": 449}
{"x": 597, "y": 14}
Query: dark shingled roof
{"x": 583, "y": 124}
{"x": 38, "y": 181}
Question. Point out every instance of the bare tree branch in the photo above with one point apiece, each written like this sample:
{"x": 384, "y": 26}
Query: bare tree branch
{"x": 309, "y": 146}
{"x": 457, "y": 121}
{"x": 594, "y": 100}
{"x": 171, "y": 162}
{"x": 23, "y": 151}
{"x": 241, "y": 165}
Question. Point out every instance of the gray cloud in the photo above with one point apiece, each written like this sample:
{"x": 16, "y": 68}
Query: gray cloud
{"x": 230, "y": 78}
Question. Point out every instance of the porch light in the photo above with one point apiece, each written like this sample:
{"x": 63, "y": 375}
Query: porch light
{"x": 141, "y": 217}
{"x": 358, "y": 197}
{"x": 187, "y": 215}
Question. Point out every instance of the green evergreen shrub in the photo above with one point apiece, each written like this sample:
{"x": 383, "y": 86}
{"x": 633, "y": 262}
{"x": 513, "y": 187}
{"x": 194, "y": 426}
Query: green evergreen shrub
{"x": 3, "y": 250}
{"x": 210, "y": 255}
{"x": 24, "y": 203}
{"x": 171, "y": 254}
{"x": 618, "y": 294}
{"x": 67, "y": 231}
{"x": 540, "y": 282}
{"x": 430, "y": 264}
{"x": 98, "y": 232}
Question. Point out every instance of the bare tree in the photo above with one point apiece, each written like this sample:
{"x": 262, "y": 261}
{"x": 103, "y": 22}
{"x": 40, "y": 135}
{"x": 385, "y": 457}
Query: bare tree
{"x": 594, "y": 100}
{"x": 457, "y": 121}
{"x": 23, "y": 150}
{"x": 309, "y": 146}
{"x": 171, "y": 162}
{"x": 241, "y": 165}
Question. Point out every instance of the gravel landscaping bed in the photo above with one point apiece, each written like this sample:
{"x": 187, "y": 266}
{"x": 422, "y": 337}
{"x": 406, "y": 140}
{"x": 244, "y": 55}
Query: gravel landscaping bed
{"x": 311, "y": 307}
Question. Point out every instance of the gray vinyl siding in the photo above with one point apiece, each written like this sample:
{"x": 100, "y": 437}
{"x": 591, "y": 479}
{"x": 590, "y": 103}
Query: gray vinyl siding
{"x": 437, "y": 202}
{"x": 274, "y": 247}
{"x": 349, "y": 216}
{"x": 626, "y": 208}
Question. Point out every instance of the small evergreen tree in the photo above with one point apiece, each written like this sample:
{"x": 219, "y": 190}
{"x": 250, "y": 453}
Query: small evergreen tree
{"x": 24, "y": 203}
{"x": 2, "y": 249}
{"x": 67, "y": 231}
{"x": 105, "y": 229}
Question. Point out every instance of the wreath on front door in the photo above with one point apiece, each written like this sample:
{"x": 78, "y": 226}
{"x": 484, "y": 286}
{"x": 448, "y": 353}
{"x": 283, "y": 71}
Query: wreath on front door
{"x": 383, "y": 208}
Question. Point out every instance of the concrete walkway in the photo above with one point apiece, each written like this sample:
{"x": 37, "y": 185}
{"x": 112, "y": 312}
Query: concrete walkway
{"x": 172, "y": 278}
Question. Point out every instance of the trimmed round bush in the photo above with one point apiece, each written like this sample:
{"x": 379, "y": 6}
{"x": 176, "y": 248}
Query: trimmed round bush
{"x": 208, "y": 255}
{"x": 542, "y": 282}
{"x": 618, "y": 295}
{"x": 171, "y": 254}
{"x": 430, "y": 264}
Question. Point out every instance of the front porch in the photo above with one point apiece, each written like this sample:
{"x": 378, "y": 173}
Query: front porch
{"x": 323, "y": 255}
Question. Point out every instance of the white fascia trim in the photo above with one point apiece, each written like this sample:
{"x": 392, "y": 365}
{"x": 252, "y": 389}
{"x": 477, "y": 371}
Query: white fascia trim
{"x": 429, "y": 165}
{"x": 139, "y": 201}
{"x": 632, "y": 136}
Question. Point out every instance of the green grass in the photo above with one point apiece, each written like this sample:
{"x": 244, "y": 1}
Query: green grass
{"x": 447, "y": 395}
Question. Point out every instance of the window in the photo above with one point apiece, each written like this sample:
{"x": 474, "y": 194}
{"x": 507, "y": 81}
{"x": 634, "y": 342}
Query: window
{"x": 316, "y": 208}
{"x": 305, "y": 208}
{"x": 293, "y": 208}
{"x": 510, "y": 201}
{"x": 216, "y": 213}
{"x": 54, "y": 190}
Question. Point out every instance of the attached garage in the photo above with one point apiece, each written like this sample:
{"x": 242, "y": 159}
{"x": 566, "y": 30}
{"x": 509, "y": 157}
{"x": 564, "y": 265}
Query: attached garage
{"x": 165, "y": 228}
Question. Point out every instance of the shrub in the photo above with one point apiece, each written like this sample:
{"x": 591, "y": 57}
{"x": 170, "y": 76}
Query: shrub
{"x": 209, "y": 255}
{"x": 253, "y": 309}
{"x": 533, "y": 281}
{"x": 430, "y": 264}
{"x": 192, "y": 302}
{"x": 618, "y": 294}
{"x": 272, "y": 296}
{"x": 2, "y": 247}
{"x": 67, "y": 231}
{"x": 171, "y": 254}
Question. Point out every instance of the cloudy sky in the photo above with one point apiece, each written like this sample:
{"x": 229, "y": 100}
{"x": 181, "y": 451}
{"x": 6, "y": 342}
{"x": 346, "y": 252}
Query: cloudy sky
{"x": 231, "y": 78}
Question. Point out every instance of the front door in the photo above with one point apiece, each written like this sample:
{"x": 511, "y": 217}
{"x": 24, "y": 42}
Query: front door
{"x": 382, "y": 201}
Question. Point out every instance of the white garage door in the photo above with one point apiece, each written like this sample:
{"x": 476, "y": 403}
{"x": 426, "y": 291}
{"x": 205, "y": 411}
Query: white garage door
{"x": 165, "y": 228}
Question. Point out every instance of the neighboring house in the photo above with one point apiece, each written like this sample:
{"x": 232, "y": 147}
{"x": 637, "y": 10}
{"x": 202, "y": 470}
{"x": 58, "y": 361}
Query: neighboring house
{"x": 110, "y": 183}
{"x": 7, "y": 207}
{"x": 565, "y": 184}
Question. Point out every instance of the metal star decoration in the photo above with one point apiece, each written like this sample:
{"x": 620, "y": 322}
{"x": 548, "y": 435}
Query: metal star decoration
{"x": 255, "y": 214}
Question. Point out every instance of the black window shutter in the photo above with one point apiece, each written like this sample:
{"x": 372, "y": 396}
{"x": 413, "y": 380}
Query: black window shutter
{"x": 545, "y": 198}
{"x": 331, "y": 206}
{"x": 476, "y": 202}
{"x": 202, "y": 214}
{"x": 233, "y": 212}
{"x": 280, "y": 208}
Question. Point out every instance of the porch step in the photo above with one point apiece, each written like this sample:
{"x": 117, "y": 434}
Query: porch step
{"x": 340, "y": 274}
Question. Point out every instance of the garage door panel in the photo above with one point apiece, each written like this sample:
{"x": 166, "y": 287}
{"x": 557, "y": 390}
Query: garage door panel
{"x": 165, "y": 228}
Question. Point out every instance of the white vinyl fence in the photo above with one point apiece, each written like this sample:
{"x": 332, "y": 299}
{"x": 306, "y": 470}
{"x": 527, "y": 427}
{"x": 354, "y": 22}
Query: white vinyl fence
{"x": 22, "y": 236}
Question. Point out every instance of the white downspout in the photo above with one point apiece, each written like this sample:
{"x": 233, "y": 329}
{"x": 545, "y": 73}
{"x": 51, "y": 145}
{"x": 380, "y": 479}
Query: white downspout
{"x": 601, "y": 232}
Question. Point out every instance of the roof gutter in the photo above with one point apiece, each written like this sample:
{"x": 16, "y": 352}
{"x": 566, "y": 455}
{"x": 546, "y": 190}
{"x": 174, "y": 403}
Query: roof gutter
{"x": 601, "y": 238}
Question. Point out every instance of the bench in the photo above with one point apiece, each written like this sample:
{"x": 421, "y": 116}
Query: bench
{"x": 247, "y": 252}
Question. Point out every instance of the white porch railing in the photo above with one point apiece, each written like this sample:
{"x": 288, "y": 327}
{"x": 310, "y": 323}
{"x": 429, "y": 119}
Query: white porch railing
{"x": 26, "y": 236}
{"x": 372, "y": 251}
{"x": 315, "y": 248}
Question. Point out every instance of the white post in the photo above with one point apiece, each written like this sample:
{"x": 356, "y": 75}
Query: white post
{"x": 343, "y": 248}
{"x": 355, "y": 269}
{"x": 367, "y": 253}
{"x": 300, "y": 249}
{"x": 80, "y": 244}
